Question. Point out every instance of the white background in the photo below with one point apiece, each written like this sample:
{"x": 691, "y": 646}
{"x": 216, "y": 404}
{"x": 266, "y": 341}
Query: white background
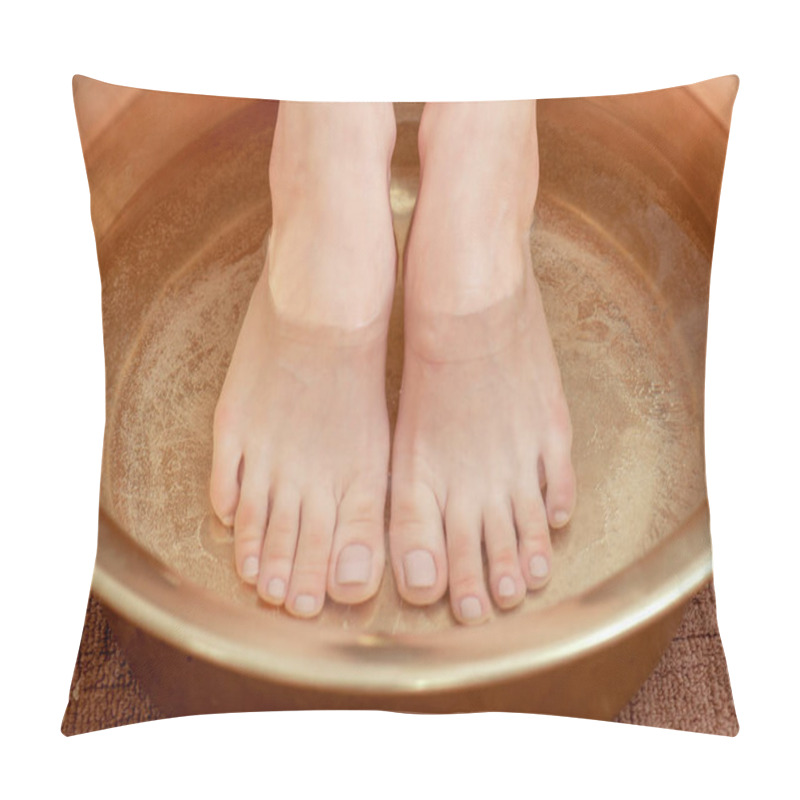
{"x": 51, "y": 417}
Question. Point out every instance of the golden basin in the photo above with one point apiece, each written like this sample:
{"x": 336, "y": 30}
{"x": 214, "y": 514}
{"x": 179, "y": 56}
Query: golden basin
{"x": 622, "y": 249}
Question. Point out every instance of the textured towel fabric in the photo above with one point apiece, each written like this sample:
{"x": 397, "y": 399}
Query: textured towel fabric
{"x": 689, "y": 689}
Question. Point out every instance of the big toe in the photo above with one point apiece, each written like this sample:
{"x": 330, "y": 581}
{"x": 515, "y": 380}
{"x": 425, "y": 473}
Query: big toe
{"x": 416, "y": 537}
{"x": 358, "y": 556}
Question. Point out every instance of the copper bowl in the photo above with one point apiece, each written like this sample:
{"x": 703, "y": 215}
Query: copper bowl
{"x": 622, "y": 249}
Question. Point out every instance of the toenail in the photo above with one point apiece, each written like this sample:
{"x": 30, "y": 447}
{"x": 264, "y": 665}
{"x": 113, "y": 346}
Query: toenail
{"x": 228, "y": 521}
{"x": 471, "y": 608}
{"x": 354, "y": 564}
{"x": 305, "y": 603}
{"x": 560, "y": 518}
{"x": 420, "y": 569}
{"x": 507, "y": 587}
{"x": 539, "y": 567}
{"x": 250, "y": 567}
{"x": 277, "y": 588}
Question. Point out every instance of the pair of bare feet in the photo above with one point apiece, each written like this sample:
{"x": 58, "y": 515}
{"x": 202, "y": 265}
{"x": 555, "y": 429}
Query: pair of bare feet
{"x": 481, "y": 452}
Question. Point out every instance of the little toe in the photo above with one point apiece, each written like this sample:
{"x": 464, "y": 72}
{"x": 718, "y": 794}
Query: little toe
{"x": 250, "y": 521}
{"x": 306, "y": 594}
{"x": 505, "y": 577}
{"x": 277, "y": 555}
{"x": 358, "y": 555}
{"x": 468, "y": 598}
{"x": 224, "y": 485}
{"x": 535, "y": 550}
{"x": 416, "y": 539}
{"x": 560, "y": 494}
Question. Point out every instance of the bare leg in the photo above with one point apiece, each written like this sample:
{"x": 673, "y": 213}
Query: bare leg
{"x": 301, "y": 435}
{"x": 483, "y": 422}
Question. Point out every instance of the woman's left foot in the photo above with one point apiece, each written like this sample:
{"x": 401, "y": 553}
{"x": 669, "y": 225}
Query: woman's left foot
{"x": 483, "y": 437}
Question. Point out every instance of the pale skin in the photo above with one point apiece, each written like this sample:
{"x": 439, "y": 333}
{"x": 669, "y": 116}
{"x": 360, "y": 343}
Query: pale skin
{"x": 481, "y": 451}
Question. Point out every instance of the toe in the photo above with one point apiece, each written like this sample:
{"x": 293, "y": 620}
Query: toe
{"x": 560, "y": 494}
{"x": 224, "y": 487}
{"x": 277, "y": 555}
{"x": 416, "y": 538}
{"x": 505, "y": 577}
{"x": 250, "y": 521}
{"x": 306, "y": 594}
{"x": 468, "y": 597}
{"x": 535, "y": 551}
{"x": 358, "y": 557}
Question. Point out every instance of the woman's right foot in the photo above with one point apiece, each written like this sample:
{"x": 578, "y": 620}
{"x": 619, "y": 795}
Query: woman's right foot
{"x": 301, "y": 433}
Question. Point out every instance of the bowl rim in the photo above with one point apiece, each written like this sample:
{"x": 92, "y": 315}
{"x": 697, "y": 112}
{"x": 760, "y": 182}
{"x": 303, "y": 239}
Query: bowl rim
{"x": 151, "y": 595}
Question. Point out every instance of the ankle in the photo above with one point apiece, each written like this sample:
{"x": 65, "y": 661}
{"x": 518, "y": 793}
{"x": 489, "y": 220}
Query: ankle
{"x": 465, "y": 125}
{"x": 481, "y": 160}
{"x": 319, "y": 141}
{"x": 467, "y": 276}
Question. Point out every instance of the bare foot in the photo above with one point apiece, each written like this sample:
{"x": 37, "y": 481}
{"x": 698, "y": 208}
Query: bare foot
{"x": 301, "y": 434}
{"x": 483, "y": 424}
